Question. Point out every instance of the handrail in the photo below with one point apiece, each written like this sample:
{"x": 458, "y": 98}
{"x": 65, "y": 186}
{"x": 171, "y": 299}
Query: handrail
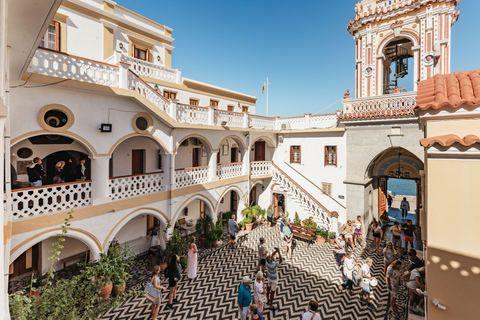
{"x": 224, "y": 164}
{"x": 314, "y": 199}
{"x": 53, "y": 185}
{"x": 262, "y": 161}
{"x": 191, "y": 105}
{"x": 135, "y": 175}
{"x": 78, "y": 57}
{"x": 138, "y": 77}
{"x": 315, "y": 185}
{"x": 191, "y": 168}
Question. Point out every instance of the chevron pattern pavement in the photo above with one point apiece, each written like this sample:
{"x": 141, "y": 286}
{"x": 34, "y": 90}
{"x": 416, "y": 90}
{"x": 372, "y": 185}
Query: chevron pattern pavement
{"x": 312, "y": 273}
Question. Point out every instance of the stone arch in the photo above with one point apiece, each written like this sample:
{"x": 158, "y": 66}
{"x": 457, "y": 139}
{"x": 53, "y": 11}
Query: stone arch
{"x": 236, "y": 138}
{"x": 135, "y": 134}
{"x": 197, "y": 196}
{"x": 137, "y": 212}
{"x": 374, "y": 168}
{"x": 268, "y": 140}
{"x": 410, "y": 34}
{"x": 203, "y": 139}
{"x": 239, "y": 193}
{"x": 254, "y": 183}
{"x": 87, "y": 238}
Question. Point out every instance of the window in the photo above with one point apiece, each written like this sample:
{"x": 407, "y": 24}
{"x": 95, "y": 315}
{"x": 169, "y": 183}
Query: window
{"x": 139, "y": 53}
{"x": 244, "y": 108}
{"x": 295, "y": 154}
{"x": 214, "y": 103}
{"x": 230, "y": 108}
{"x": 327, "y": 188}
{"x": 51, "y": 39}
{"x": 330, "y": 155}
{"x": 194, "y": 102}
{"x": 170, "y": 95}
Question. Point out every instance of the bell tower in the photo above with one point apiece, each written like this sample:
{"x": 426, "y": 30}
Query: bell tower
{"x": 399, "y": 37}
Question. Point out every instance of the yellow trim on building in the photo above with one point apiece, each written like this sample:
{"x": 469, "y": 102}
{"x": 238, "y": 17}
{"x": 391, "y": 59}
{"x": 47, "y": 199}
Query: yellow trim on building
{"x": 168, "y": 58}
{"x": 7, "y": 232}
{"x": 107, "y": 42}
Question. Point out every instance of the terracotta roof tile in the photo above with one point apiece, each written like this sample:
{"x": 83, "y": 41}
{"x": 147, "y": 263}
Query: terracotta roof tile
{"x": 452, "y": 90}
{"x": 449, "y": 139}
{"x": 376, "y": 114}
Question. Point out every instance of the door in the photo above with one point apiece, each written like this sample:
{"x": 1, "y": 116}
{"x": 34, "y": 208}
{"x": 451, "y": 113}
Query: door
{"x": 202, "y": 209}
{"x": 260, "y": 151}
{"x": 27, "y": 262}
{"x": 233, "y": 201}
{"x": 275, "y": 205}
{"x": 253, "y": 196}
{"x": 233, "y": 155}
{"x": 195, "y": 153}
{"x": 382, "y": 196}
{"x": 137, "y": 161}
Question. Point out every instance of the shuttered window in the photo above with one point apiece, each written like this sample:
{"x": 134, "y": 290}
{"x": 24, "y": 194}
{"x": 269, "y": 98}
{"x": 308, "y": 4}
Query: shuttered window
{"x": 170, "y": 95}
{"x": 230, "y": 108}
{"x": 214, "y": 103}
{"x": 327, "y": 188}
{"x": 51, "y": 39}
{"x": 194, "y": 102}
{"x": 295, "y": 154}
{"x": 330, "y": 155}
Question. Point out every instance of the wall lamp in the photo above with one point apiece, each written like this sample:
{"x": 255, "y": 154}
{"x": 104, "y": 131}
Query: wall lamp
{"x": 155, "y": 87}
{"x": 120, "y": 45}
{"x": 158, "y": 58}
{"x": 106, "y": 127}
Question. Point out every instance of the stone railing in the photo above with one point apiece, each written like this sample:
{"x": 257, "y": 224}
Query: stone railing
{"x": 137, "y": 84}
{"x": 321, "y": 215}
{"x": 260, "y": 168}
{"x": 190, "y": 176}
{"x": 387, "y": 3}
{"x": 192, "y": 114}
{"x": 261, "y": 122}
{"x": 148, "y": 69}
{"x": 230, "y": 119}
{"x": 65, "y": 66}
{"x": 135, "y": 185}
{"x": 229, "y": 170}
{"x": 308, "y": 121}
{"x": 31, "y": 202}
{"x": 397, "y": 103}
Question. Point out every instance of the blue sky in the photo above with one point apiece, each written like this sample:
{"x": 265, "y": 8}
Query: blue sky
{"x": 302, "y": 46}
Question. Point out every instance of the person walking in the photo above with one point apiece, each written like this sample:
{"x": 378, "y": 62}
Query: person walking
{"x": 376, "y": 231}
{"x": 262, "y": 255}
{"x": 349, "y": 230}
{"x": 270, "y": 215}
{"x": 312, "y": 314}
{"x": 272, "y": 275}
{"x": 232, "y": 230}
{"x": 156, "y": 284}
{"x": 389, "y": 255}
{"x": 288, "y": 238}
{"x": 408, "y": 234}
{"x": 80, "y": 171}
{"x": 254, "y": 311}
{"x": 393, "y": 283}
{"x": 389, "y": 200}
{"x": 348, "y": 270}
{"x": 173, "y": 273}
{"x": 244, "y": 298}
{"x": 358, "y": 230}
{"x": 35, "y": 172}
{"x": 367, "y": 277}
{"x": 340, "y": 242}
{"x": 384, "y": 220}
{"x": 259, "y": 292}
{"x": 405, "y": 207}
{"x": 192, "y": 259}
{"x": 155, "y": 231}
{"x": 396, "y": 232}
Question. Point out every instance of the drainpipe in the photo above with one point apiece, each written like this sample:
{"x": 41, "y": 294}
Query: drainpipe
{"x": 171, "y": 182}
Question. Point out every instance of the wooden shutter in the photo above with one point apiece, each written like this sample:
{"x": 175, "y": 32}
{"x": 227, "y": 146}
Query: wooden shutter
{"x": 57, "y": 36}
{"x": 291, "y": 154}
{"x": 299, "y": 154}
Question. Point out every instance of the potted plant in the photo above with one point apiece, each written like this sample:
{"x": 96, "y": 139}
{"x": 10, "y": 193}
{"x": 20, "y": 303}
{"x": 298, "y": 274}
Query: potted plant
{"x": 250, "y": 213}
{"x": 217, "y": 233}
{"x": 241, "y": 224}
{"x": 176, "y": 245}
{"x": 262, "y": 215}
{"x": 227, "y": 215}
{"x": 321, "y": 234}
{"x": 121, "y": 261}
{"x": 161, "y": 256}
{"x": 203, "y": 227}
{"x": 309, "y": 223}
{"x": 184, "y": 262}
{"x": 297, "y": 220}
{"x": 331, "y": 237}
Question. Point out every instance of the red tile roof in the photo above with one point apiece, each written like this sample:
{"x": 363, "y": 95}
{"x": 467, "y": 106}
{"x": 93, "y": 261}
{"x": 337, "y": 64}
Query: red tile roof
{"x": 452, "y": 90}
{"x": 376, "y": 114}
{"x": 449, "y": 139}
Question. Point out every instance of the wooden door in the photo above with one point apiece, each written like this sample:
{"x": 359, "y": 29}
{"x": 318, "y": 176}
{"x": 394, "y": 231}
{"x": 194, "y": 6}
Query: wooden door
{"x": 233, "y": 155}
{"x": 260, "y": 151}
{"x": 253, "y": 196}
{"x": 275, "y": 205}
{"x": 27, "y": 262}
{"x": 382, "y": 196}
{"x": 202, "y": 209}
{"x": 137, "y": 161}
{"x": 195, "y": 153}
{"x": 419, "y": 202}
{"x": 233, "y": 201}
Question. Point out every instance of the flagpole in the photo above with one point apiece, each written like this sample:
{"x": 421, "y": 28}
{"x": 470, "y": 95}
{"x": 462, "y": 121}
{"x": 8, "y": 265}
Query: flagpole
{"x": 267, "y": 96}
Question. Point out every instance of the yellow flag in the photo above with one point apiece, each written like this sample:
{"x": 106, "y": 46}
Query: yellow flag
{"x": 263, "y": 88}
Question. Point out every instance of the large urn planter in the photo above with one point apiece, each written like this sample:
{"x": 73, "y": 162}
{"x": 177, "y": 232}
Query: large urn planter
{"x": 118, "y": 291}
{"x": 203, "y": 238}
{"x": 105, "y": 290}
{"x": 214, "y": 243}
{"x": 320, "y": 239}
{"x": 249, "y": 226}
{"x": 331, "y": 240}
{"x": 163, "y": 266}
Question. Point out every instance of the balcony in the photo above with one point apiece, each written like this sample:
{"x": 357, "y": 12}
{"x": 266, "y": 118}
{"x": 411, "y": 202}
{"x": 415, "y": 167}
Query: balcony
{"x": 260, "y": 168}
{"x": 229, "y": 170}
{"x": 135, "y": 185}
{"x": 190, "y": 176}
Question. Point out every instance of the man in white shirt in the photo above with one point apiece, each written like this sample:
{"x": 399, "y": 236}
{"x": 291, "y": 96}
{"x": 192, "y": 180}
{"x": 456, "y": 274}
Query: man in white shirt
{"x": 367, "y": 277}
{"x": 312, "y": 314}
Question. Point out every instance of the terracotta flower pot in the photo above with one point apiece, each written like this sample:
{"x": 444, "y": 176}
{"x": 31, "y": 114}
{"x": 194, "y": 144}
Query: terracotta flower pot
{"x": 119, "y": 291}
{"x": 214, "y": 243}
{"x": 163, "y": 266}
{"x": 331, "y": 240}
{"x": 320, "y": 239}
{"x": 249, "y": 226}
{"x": 243, "y": 228}
{"x": 34, "y": 293}
{"x": 203, "y": 238}
{"x": 105, "y": 290}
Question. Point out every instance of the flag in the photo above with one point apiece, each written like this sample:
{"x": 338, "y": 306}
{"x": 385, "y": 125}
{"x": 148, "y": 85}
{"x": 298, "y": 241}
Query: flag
{"x": 263, "y": 88}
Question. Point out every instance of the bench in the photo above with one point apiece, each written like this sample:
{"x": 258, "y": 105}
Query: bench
{"x": 304, "y": 233}
{"x": 75, "y": 257}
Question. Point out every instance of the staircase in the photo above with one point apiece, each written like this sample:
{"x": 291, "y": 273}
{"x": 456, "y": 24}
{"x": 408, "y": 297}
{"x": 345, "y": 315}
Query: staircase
{"x": 321, "y": 215}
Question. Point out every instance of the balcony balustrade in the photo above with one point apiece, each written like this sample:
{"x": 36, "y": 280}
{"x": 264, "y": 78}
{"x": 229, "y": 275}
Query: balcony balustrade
{"x": 135, "y": 185}
{"x": 260, "y": 168}
{"x": 391, "y": 104}
{"x": 192, "y": 114}
{"x": 190, "y": 176}
{"x": 31, "y": 202}
{"x": 229, "y": 170}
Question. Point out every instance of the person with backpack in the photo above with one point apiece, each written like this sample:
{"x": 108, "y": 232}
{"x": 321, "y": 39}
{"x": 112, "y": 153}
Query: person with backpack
{"x": 288, "y": 238}
{"x": 35, "y": 172}
{"x": 312, "y": 314}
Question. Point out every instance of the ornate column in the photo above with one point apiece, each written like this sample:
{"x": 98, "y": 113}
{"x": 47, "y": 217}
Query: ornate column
{"x": 212, "y": 166}
{"x": 100, "y": 180}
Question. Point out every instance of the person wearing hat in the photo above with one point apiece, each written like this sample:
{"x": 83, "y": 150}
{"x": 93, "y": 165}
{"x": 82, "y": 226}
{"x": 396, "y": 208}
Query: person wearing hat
{"x": 262, "y": 255}
{"x": 244, "y": 298}
{"x": 59, "y": 173}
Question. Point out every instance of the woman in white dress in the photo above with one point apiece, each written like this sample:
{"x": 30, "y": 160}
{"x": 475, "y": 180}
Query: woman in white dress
{"x": 259, "y": 292}
{"x": 155, "y": 242}
{"x": 192, "y": 259}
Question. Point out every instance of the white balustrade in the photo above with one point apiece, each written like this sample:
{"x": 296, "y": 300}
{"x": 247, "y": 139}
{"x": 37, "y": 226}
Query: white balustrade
{"x": 387, "y": 3}
{"x": 229, "y": 170}
{"x": 31, "y": 202}
{"x": 321, "y": 215}
{"x": 148, "y": 69}
{"x": 65, "y": 66}
{"x": 191, "y": 176}
{"x": 135, "y": 185}
{"x": 137, "y": 84}
{"x": 323, "y": 121}
{"x": 292, "y": 123}
{"x": 399, "y": 102}
{"x": 192, "y": 114}
{"x": 260, "y": 168}
{"x": 232, "y": 119}
{"x": 111, "y": 59}
{"x": 261, "y": 122}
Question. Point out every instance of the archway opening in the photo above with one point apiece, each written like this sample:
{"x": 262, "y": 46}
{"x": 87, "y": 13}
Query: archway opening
{"x": 402, "y": 199}
{"x": 192, "y": 152}
{"x": 399, "y": 66}
{"x": 142, "y": 232}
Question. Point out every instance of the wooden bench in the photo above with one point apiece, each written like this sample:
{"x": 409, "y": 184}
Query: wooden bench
{"x": 75, "y": 257}
{"x": 304, "y": 233}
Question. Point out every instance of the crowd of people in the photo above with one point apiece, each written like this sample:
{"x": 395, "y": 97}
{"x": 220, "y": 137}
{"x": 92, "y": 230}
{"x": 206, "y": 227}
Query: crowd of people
{"x": 65, "y": 171}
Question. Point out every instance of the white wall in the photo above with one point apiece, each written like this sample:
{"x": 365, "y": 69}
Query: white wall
{"x": 71, "y": 248}
{"x": 134, "y": 229}
{"x": 122, "y": 156}
{"x": 184, "y": 157}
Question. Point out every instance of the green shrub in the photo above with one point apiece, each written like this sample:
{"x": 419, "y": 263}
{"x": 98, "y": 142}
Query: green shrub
{"x": 309, "y": 223}
{"x": 297, "y": 220}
